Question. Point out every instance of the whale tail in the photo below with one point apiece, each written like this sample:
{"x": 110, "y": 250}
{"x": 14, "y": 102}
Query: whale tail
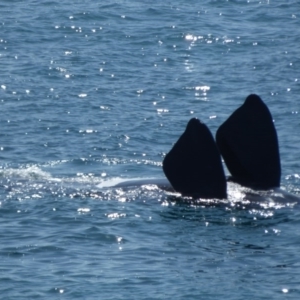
{"x": 248, "y": 143}
{"x": 193, "y": 166}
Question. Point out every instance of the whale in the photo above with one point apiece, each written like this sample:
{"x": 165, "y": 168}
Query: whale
{"x": 193, "y": 166}
{"x": 248, "y": 143}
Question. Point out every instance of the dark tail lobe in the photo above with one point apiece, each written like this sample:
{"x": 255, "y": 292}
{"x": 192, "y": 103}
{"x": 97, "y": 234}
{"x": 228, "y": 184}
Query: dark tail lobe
{"x": 193, "y": 166}
{"x": 248, "y": 143}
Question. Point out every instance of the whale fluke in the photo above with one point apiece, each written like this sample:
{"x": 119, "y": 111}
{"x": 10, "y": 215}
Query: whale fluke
{"x": 193, "y": 166}
{"x": 248, "y": 143}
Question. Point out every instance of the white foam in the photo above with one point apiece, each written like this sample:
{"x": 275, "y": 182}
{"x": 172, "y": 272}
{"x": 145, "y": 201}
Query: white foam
{"x": 32, "y": 172}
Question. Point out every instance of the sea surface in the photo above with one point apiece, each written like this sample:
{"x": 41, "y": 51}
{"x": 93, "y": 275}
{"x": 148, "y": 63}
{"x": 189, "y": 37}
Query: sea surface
{"x": 93, "y": 93}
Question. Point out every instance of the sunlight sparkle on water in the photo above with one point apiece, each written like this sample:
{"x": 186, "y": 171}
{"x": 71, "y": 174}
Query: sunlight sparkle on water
{"x": 190, "y": 37}
{"x": 161, "y": 110}
{"x": 203, "y": 88}
{"x": 114, "y": 216}
{"x": 83, "y": 210}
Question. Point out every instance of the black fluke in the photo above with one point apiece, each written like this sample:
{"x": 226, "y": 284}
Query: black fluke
{"x": 248, "y": 143}
{"x": 193, "y": 166}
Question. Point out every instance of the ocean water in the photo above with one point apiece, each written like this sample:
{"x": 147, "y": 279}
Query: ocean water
{"x": 93, "y": 93}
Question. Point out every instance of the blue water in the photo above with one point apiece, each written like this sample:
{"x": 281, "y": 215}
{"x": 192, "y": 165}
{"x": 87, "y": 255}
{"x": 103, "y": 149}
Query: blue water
{"x": 93, "y": 93}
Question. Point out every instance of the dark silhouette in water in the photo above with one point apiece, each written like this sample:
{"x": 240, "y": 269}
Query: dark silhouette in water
{"x": 248, "y": 143}
{"x": 193, "y": 166}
